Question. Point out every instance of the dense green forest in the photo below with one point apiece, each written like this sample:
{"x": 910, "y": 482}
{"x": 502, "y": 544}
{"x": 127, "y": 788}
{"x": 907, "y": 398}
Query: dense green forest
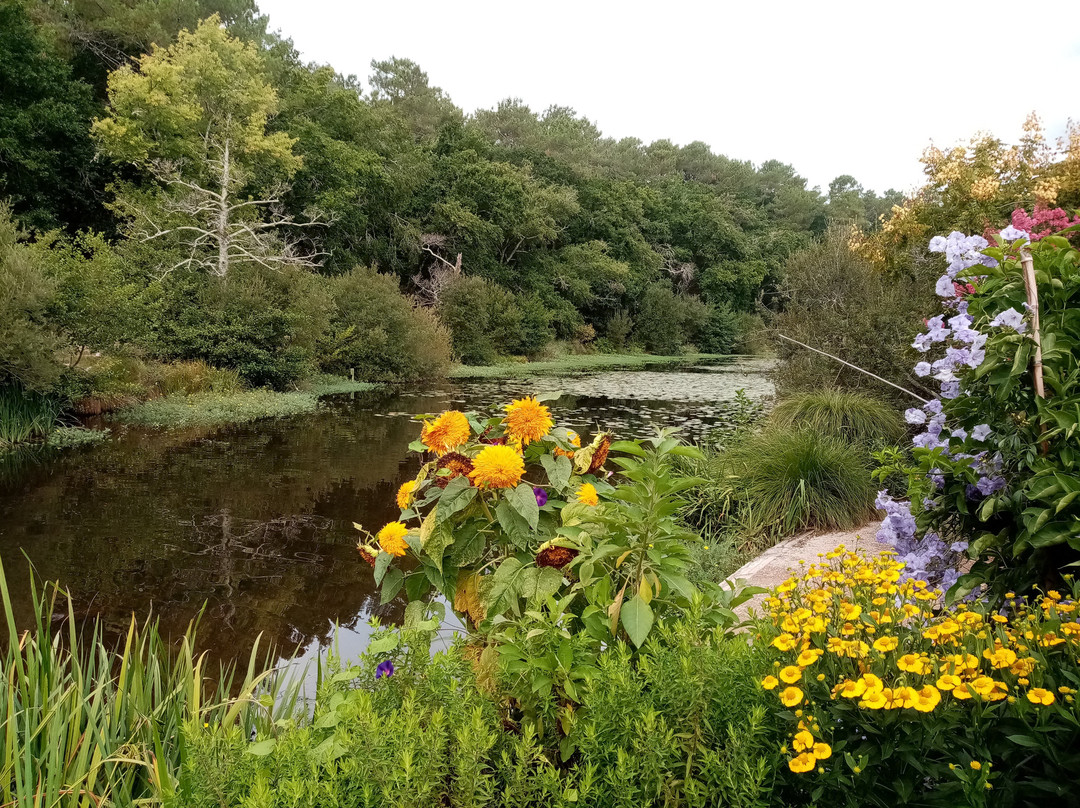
{"x": 178, "y": 185}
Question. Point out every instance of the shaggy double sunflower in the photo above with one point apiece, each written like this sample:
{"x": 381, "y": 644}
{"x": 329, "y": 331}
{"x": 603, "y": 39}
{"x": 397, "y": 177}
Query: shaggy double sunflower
{"x": 392, "y": 538}
{"x": 497, "y": 467}
{"x": 405, "y": 494}
{"x": 527, "y": 420}
{"x": 586, "y": 495}
{"x": 447, "y": 432}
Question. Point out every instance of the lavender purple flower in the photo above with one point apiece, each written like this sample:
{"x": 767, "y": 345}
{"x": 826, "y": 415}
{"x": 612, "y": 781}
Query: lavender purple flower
{"x": 384, "y": 668}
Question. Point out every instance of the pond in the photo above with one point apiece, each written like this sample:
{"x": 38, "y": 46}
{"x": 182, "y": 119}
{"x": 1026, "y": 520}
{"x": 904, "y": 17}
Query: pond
{"x": 256, "y": 521}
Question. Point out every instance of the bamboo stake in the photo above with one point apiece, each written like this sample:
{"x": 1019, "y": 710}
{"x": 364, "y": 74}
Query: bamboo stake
{"x": 856, "y": 367}
{"x": 1033, "y": 306}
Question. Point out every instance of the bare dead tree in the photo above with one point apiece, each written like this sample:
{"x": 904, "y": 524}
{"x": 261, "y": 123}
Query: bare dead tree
{"x": 217, "y": 228}
{"x": 682, "y": 272}
{"x": 433, "y": 280}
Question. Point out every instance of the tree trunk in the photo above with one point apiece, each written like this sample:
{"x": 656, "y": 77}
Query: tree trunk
{"x": 223, "y": 217}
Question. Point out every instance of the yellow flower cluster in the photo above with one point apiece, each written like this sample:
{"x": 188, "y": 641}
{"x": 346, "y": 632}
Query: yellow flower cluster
{"x": 887, "y": 644}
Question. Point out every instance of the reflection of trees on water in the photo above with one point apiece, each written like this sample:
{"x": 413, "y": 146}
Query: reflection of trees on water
{"x": 255, "y": 522}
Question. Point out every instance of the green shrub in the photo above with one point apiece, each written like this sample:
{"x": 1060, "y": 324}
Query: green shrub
{"x": 262, "y": 324}
{"x": 486, "y": 321}
{"x": 835, "y": 301}
{"x": 661, "y": 320}
{"x": 618, "y": 331}
{"x": 379, "y": 333}
{"x": 719, "y": 333}
{"x": 28, "y": 341}
{"x": 853, "y": 417}
{"x": 683, "y": 722}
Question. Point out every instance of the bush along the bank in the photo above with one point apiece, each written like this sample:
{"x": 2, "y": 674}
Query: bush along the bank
{"x": 681, "y": 721}
{"x": 777, "y": 481}
{"x": 889, "y": 700}
{"x": 996, "y": 470}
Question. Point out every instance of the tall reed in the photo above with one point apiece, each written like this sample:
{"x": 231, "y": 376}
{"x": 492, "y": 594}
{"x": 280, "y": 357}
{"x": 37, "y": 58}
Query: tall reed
{"x": 85, "y": 725}
{"x": 26, "y": 415}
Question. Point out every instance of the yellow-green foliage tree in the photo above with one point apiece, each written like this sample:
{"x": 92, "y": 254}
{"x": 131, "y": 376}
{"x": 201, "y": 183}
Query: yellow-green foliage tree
{"x": 194, "y": 118}
{"x": 977, "y": 186}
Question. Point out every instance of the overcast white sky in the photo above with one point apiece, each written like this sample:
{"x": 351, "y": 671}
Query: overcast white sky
{"x": 831, "y": 87}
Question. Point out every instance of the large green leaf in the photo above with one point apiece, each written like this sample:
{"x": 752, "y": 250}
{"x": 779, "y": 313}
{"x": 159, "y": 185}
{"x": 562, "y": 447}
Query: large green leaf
{"x": 501, "y": 588}
{"x": 514, "y": 524}
{"x": 455, "y": 497}
{"x": 391, "y": 584}
{"x": 558, "y": 470}
{"x": 523, "y": 500}
{"x": 435, "y": 536}
{"x": 637, "y": 619}
{"x": 540, "y": 583}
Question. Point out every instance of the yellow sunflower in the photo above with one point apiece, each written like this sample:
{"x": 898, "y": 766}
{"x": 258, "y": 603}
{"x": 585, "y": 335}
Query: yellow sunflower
{"x": 527, "y": 420}
{"x": 497, "y": 467}
{"x": 586, "y": 495}
{"x": 405, "y": 494}
{"x": 448, "y": 431}
{"x": 392, "y": 538}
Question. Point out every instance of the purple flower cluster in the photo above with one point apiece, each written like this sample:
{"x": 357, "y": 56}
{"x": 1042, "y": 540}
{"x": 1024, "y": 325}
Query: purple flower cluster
{"x": 1011, "y": 233}
{"x": 926, "y": 558}
{"x": 962, "y": 253}
{"x": 1010, "y": 318}
{"x": 967, "y": 350}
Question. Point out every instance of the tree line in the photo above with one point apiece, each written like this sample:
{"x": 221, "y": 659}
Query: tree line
{"x": 180, "y": 183}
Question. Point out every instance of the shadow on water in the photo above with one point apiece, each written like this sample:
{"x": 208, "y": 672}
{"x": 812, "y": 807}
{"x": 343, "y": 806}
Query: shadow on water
{"x": 255, "y": 521}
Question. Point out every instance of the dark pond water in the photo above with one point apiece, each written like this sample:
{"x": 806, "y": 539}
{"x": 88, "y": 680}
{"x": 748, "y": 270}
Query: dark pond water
{"x": 255, "y": 522}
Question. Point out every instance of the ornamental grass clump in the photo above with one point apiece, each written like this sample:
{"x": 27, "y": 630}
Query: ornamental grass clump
{"x": 853, "y": 417}
{"x": 781, "y": 481}
{"x": 890, "y": 699}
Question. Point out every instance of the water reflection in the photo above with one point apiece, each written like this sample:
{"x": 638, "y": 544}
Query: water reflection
{"x": 255, "y": 522}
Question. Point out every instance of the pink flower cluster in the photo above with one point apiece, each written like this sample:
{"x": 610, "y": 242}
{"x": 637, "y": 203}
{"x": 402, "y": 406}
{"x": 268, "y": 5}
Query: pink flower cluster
{"x": 1042, "y": 222}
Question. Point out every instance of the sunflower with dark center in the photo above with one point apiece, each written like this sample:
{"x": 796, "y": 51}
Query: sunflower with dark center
{"x": 600, "y": 455}
{"x": 557, "y": 557}
{"x": 456, "y": 463}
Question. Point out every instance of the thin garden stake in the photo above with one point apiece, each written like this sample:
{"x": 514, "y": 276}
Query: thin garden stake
{"x": 1033, "y": 306}
{"x": 856, "y": 367}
